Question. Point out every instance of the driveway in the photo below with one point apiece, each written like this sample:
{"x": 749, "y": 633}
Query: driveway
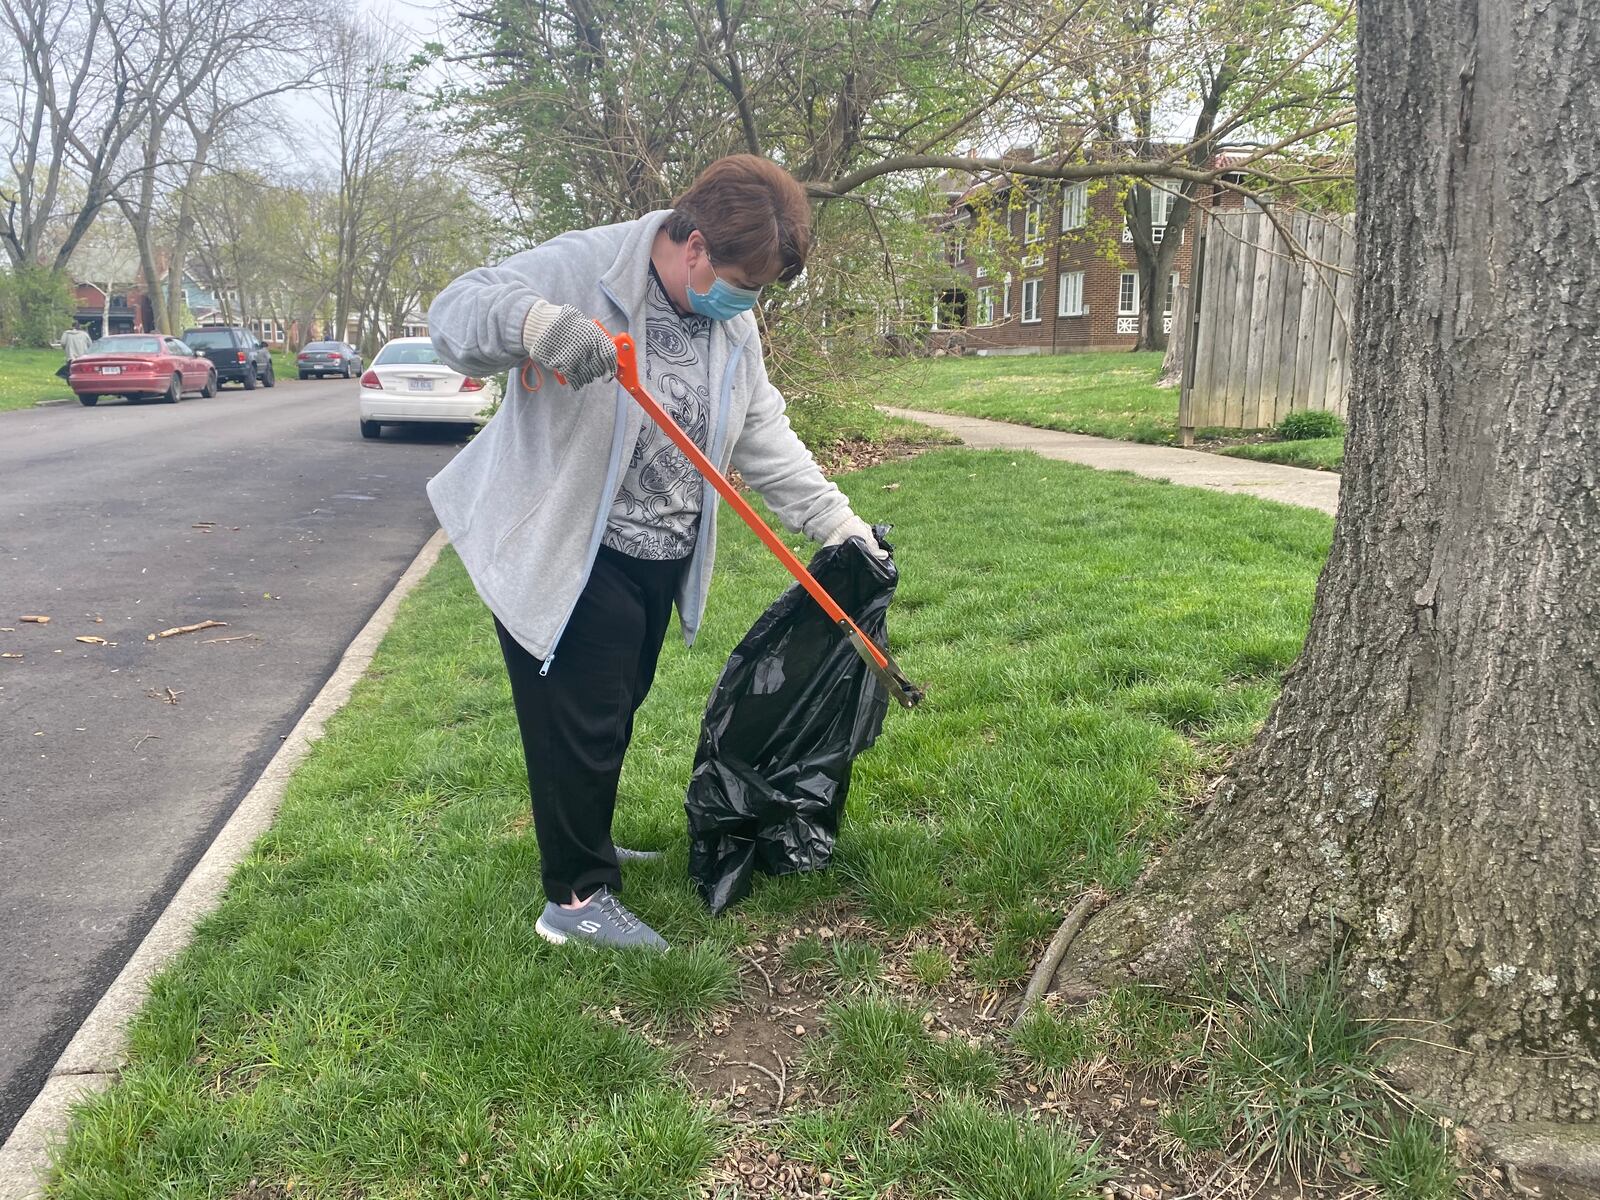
{"x": 265, "y": 511}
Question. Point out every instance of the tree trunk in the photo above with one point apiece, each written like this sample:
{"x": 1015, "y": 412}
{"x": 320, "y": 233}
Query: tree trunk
{"x": 1177, "y": 341}
{"x": 1424, "y": 796}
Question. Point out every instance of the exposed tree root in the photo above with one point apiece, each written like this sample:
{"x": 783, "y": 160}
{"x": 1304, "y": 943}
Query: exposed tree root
{"x": 1044, "y": 974}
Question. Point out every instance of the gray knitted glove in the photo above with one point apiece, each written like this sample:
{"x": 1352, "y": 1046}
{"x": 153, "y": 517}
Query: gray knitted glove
{"x": 569, "y": 343}
{"x": 854, "y": 527}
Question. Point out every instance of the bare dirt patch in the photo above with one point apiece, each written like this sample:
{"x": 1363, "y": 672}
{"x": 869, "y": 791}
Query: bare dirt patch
{"x": 749, "y": 1064}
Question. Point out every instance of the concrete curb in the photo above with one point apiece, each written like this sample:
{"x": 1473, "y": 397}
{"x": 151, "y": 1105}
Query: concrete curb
{"x": 97, "y": 1051}
{"x": 53, "y": 403}
{"x": 1190, "y": 468}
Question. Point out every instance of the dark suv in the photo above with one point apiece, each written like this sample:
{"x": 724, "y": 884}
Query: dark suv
{"x": 239, "y": 355}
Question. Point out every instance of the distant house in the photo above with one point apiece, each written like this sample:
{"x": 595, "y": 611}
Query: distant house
{"x": 130, "y": 309}
{"x": 1046, "y": 267}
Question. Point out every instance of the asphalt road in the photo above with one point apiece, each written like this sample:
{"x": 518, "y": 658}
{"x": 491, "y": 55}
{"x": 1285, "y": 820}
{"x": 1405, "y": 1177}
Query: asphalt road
{"x": 110, "y": 791}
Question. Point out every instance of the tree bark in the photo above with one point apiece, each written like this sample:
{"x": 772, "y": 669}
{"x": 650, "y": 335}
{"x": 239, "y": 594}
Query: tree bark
{"x": 1423, "y": 799}
{"x": 1177, "y": 341}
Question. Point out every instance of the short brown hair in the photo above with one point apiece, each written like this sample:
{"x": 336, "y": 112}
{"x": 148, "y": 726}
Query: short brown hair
{"x": 752, "y": 214}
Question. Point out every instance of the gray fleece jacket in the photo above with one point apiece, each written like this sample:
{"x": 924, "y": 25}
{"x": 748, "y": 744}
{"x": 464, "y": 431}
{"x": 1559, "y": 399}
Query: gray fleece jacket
{"x": 526, "y": 502}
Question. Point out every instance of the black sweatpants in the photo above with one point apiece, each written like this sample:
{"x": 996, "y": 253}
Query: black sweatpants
{"x": 577, "y": 720}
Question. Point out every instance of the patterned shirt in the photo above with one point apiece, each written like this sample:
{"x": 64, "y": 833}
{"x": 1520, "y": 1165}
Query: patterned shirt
{"x": 657, "y": 513}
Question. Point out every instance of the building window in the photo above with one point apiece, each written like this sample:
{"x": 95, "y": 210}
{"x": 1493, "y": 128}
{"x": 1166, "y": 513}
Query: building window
{"x": 1005, "y": 294}
{"x": 1033, "y": 221}
{"x": 1030, "y": 300}
{"x": 958, "y": 248}
{"x": 1172, "y": 292}
{"x": 1070, "y": 303}
{"x": 1161, "y": 202}
{"x": 1128, "y": 295}
{"x": 986, "y": 306}
{"x": 1074, "y": 206}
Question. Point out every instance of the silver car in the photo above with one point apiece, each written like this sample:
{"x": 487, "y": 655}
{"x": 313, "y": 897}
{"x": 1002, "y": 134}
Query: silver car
{"x": 328, "y": 358}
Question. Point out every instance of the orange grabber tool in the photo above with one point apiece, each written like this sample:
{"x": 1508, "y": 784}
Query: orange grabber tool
{"x": 878, "y": 661}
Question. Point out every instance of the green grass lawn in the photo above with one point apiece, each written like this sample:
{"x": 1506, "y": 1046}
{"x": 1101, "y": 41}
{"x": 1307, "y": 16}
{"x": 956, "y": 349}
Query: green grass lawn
{"x": 1319, "y": 454}
{"x": 1107, "y": 394}
{"x": 29, "y": 376}
{"x": 370, "y": 1012}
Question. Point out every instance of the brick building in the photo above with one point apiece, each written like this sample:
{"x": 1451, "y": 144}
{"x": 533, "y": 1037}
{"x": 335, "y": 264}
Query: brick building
{"x": 130, "y": 309}
{"x": 1045, "y": 267}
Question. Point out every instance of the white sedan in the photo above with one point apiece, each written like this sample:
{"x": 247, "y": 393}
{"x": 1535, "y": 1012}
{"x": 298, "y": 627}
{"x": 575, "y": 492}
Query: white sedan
{"x": 407, "y": 382}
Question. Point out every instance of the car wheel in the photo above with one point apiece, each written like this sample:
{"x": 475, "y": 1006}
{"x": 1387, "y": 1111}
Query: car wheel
{"x": 345, "y": 374}
{"x": 174, "y": 391}
{"x": 250, "y": 380}
{"x": 271, "y": 379}
{"x": 88, "y": 401}
{"x": 303, "y": 376}
{"x": 210, "y": 388}
{"x": 371, "y": 429}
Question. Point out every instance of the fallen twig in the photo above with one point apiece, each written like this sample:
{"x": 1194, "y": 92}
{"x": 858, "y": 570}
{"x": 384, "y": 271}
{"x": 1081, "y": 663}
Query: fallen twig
{"x": 177, "y": 629}
{"x": 752, "y": 961}
{"x": 145, "y": 739}
{"x": 238, "y": 637}
{"x": 1044, "y": 974}
{"x": 35, "y": 620}
{"x": 769, "y": 1073}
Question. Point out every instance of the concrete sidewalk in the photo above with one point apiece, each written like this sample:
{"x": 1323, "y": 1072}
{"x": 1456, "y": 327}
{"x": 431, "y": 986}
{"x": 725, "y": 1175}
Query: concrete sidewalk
{"x": 1192, "y": 468}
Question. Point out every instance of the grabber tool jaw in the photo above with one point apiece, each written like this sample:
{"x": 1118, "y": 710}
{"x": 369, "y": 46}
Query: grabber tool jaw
{"x": 885, "y": 668}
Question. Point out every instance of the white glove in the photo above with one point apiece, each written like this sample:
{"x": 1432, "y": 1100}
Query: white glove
{"x": 854, "y": 527}
{"x": 569, "y": 343}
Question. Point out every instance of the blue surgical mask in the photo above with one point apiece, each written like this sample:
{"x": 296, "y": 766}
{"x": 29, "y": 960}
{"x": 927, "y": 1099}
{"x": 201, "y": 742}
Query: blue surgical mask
{"x": 724, "y": 301}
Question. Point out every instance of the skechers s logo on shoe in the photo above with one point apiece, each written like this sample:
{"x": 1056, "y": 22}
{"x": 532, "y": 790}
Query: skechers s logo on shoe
{"x": 589, "y": 926}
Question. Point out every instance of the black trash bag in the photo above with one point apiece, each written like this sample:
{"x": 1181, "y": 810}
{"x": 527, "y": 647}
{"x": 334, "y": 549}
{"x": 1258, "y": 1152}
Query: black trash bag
{"x": 789, "y": 714}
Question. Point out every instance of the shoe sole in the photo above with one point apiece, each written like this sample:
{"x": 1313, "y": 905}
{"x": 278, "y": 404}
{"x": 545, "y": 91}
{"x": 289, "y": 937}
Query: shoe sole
{"x": 554, "y": 936}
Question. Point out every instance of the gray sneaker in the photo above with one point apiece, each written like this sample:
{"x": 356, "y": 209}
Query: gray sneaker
{"x": 626, "y": 855}
{"x": 603, "y": 921}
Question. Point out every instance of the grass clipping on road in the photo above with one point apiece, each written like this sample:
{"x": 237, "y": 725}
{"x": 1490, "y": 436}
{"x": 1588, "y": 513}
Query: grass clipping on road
{"x": 371, "y": 1013}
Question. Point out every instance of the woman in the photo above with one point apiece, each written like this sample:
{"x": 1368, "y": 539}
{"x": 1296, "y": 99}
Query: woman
{"x": 579, "y": 522}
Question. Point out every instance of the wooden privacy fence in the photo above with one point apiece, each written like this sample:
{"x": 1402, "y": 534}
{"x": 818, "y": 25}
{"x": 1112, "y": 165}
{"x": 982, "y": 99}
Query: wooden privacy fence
{"x": 1270, "y": 334}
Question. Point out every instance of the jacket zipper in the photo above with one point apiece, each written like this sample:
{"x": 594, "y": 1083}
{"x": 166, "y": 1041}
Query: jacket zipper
{"x": 708, "y": 502}
{"x": 599, "y": 532}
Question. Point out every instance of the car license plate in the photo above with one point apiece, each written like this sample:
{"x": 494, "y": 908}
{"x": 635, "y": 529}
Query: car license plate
{"x": 422, "y": 385}
{"x": 111, "y": 370}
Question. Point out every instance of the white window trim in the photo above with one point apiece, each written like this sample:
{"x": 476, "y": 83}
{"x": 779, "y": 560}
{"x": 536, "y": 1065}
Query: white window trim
{"x": 1122, "y": 309}
{"x": 1038, "y": 291}
{"x": 1064, "y": 291}
{"x": 986, "y": 306}
{"x": 1006, "y": 293}
{"x": 1033, "y": 222}
{"x": 1172, "y": 288}
{"x": 1074, "y": 199}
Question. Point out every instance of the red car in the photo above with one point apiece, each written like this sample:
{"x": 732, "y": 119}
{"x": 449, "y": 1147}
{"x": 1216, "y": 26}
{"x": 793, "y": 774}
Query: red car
{"x": 141, "y": 366}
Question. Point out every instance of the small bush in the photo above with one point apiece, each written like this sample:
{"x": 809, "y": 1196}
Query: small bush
{"x": 1290, "y": 1070}
{"x": 1415, "y": 1163}
{"x": 1053, "y": 1042}
{"x": 1310, "y": 423}
{"x": 35, "y": 306}
{"x": 870, "y": 1043}
{"x": 678, "y": 987}
{"x": 931, "y": 967}
{"x": 974, "y": 1152}
{"x": 961, "y": 1067}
